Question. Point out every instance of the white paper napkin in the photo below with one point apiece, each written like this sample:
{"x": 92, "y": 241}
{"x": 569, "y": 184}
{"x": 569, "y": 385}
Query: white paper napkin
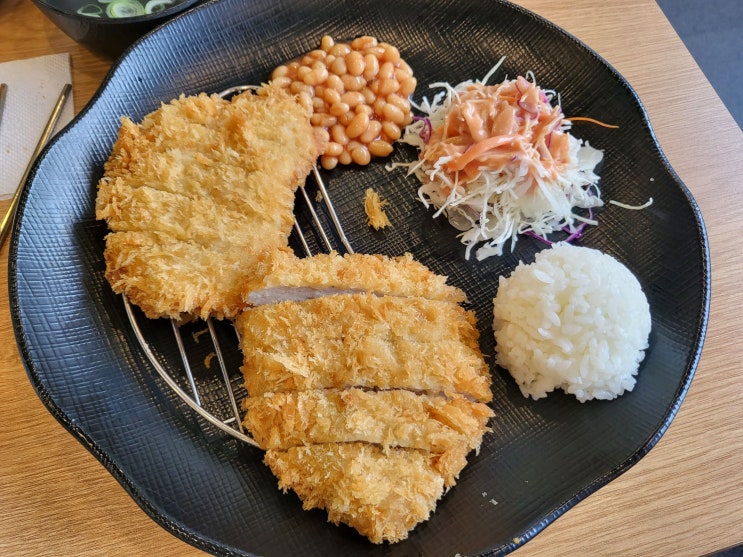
{"x": 34, "y": 86}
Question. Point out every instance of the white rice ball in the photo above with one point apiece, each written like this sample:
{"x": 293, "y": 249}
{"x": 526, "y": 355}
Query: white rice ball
{"x": 576, "y": 319}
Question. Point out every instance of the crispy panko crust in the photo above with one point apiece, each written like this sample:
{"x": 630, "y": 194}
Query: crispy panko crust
{"x": 381, "y": 493}
{"x": 199, "y": 178}
{"x": 363, "y": 340}
{"x": 394, "y": 418}
{"x": 287, "y": 277}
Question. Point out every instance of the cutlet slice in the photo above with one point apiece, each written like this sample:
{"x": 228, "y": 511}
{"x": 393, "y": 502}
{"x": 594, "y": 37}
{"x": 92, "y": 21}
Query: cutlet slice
{"x": 363, "y": 340}
{"x": 381, "y": 493}
{"x": 168, "y": 277}
{"x": 199, "y": 220}
{"x": 237, "y": 152}
{"x": 198, "y": 182}
{"x": 394, "y": 418}
{"x": 288, "y": 277}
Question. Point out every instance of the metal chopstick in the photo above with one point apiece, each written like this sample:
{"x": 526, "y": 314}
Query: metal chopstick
{"x": 3, "y": 91}
{"x": 46, "y": 134}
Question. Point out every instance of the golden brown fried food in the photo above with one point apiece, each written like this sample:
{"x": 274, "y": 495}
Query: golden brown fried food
{"x": 168, "y": 277}
{"x": 363, "y": 340}
{"x": 394, "y": 418}
{"x": 381, "y": 493}
{"x": 287, "y": 277}
{"x": 197, "y": 193}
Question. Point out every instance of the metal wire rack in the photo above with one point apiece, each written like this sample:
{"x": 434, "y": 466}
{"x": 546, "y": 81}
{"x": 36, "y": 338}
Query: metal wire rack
{"x": 217, "y": 402}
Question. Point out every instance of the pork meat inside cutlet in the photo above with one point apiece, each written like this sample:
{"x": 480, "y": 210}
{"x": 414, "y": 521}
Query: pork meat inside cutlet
{"x": 198, "y": 193}
{"x": 363, "y": 340}
{"x": 287, "y": 277}
{"x": 381, "y": 493}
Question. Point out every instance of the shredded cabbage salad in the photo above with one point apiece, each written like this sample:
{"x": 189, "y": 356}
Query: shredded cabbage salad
{"x": 499, "y": 161}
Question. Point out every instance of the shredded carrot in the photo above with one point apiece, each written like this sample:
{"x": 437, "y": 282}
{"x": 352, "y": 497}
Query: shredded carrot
{"x": 592, "y": 121}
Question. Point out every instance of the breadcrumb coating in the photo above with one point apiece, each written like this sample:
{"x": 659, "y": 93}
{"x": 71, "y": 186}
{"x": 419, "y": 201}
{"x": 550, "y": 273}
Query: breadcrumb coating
{"x": 397, "y": 418}
{"x": 287, "y": 277}
{"x": 197, "y": 183}
{"x": 381, "y": 493}
{"x": 363, "y": 340}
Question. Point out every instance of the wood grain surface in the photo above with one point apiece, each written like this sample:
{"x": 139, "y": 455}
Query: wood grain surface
{"x": 684, "y": 498}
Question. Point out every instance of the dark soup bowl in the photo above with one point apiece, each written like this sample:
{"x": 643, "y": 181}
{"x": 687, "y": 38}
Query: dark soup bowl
{"x": 110, "y": 26}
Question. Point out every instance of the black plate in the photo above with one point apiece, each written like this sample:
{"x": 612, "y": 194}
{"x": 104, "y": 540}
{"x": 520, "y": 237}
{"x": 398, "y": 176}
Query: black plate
{"x": 541, "y": 458}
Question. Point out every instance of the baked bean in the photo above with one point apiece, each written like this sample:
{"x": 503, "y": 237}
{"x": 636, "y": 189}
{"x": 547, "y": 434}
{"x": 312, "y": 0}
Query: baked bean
{"x": 338, "y": 67}
{"x": 345, "y": 158}
{"x": 369, "y": 95}
{"x": 352, "y": 98}
{"x": 353, "y": 82}
{"x": 358, "y": 93}
{"x": 346, "y": 118}
{"x": 333, "y": 149}
{"x": 322, "y": 120}
{"x": 318, "y": 104}
{"x": 303, "y": 71}
{"x": 339, "y": 49}
{"x": 391, "y": 130}
{"x": 358, "y": 125}
{"x": 386, "y": 71}
{"x": 280, "y": 71}
{"x": 335, "y": 82}
{"x": 331, "y": 96}
{"x": 371, "y": 67}
{"x": 387, "y": 86}
{"x": 364, "y": 42}
{"x": 339, "y": 109}
{"x": 282, "y": 81}
{"x": 355, "y": 62}
{"x": 407, "y": 86}
{"x": 298, "y": 87}
{"x": 379, "y": 148}
{"x": 338, "y": 134}
{"x": 391, "y": 54}
{"x": 328, "y": 162}
{"x": 326, "y": 43}
{"x": 361, "y": 155}
{"x": 378, "y": 105}
{"x": 372, "y": 132}
{"x": 399, "y": 102}
{"x": 393, "y": 114}
{"x": 365, "y": 108}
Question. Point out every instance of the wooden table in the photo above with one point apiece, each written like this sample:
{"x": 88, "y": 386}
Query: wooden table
{"x": 684, "y": 498}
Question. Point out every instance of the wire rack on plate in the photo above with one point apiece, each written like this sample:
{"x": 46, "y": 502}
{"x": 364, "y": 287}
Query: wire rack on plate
{"x": 187, "y": 371}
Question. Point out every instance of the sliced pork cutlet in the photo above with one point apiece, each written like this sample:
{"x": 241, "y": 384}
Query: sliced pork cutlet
{"x": 287, "y": 277}
{"x": 198, "y": 193}
{"x": 396, "y": 418}
{"x": 363, "y": 340}
{"x": 381, "y": 493}
{"x": 367, "y": 403}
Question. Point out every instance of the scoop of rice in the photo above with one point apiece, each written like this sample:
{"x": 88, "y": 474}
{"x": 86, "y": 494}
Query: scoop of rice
{"x": 576, "y": 319}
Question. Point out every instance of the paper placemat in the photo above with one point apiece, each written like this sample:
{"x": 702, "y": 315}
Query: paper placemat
{"x": 34, "y": 86}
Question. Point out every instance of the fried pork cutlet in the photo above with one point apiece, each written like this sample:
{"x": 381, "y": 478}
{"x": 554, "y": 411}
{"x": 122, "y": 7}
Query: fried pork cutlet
{"x": 363, "y": 340}
{"x": 447, "y": 428}
{"x": 198, "y": 193}
{"x": 367, "y": 387}
{"x": 287, "y": 277}
{"x": 381, "y": 493}
{"x": 396, "y": 418}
